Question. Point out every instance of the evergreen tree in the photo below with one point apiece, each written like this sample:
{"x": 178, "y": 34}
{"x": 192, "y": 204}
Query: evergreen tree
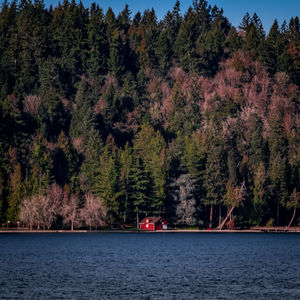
{"x": 91, "y": 156}
{"x": 260, "y": 195}
{"x": 126, "y": 162}
{"x": 140, "y": 189}
{"x": 70, "y": 39}
{"x": 123, "y": 19}
{"x": 150, "y": 147}
{"x": 170, "y": 28}
{"x": 163, "y": 52}
{"x": 215, "y": 176}
{"x": 246, "y": 21}
{"x": 97, "y": 41}
{"x": 185, "y": 44}
{"x": 65, "y": 163}
{"x": 294, "y": 48}
{"x": 41, "y": 165}
{"x": 8, "y": 49}
{"x": 195, "y": 158}
{"x": 15, "y": 189}
{"x": 278, "y": 164}
{"x": 257, "y": 151}
{"x": 110, "y": 22}
{"x": 211, "y": 46}
{"x": 1, "y": 197}
{"x": 107, "y": 180}
{"x": 116, "y": 61}
{"x": 83, "y": 119}
{"x": 176, "y": 112}
{"x": 274, "y": 47}
{"x": 233, "y": 40}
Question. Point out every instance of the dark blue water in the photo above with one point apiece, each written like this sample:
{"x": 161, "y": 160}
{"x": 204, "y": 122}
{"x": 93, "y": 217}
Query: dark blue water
{"x": 150, "y": 266}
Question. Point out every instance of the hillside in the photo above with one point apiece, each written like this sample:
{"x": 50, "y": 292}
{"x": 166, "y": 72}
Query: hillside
{"x": 107, "y": 117}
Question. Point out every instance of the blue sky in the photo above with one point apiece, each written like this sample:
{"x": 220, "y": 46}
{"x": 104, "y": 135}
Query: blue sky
{"x": 267, "y": 10}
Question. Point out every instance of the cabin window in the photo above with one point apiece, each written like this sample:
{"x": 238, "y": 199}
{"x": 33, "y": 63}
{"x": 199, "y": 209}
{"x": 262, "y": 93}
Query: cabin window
{"x": 147, "y": 225}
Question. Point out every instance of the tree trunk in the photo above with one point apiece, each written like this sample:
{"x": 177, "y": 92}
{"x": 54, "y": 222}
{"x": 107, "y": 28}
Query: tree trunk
{"x": 126, "y": 206}
{"x": 277, "y": 214}
{"x": 137, "y": 219}
{"x": 220, "y": 214}
{"x": 72, "y": 225}
{"x": 211, "y": 215}
{"x": 224, "y": 221}
{"x": 292, "y": 219}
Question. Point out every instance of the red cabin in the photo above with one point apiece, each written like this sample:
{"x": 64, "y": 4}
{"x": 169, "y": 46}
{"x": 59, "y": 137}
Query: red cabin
{"x": 153, "y": 223}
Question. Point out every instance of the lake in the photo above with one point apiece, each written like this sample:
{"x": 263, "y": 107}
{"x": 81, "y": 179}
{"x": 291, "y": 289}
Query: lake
{"x": 150, "y": 266}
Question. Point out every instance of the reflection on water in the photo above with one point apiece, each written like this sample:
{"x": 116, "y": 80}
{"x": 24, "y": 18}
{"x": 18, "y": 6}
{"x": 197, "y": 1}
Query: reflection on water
{"x": 150, "y": 266}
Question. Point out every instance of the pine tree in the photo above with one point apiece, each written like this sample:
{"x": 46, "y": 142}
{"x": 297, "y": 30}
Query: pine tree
{"x": 1, "y": 197}
{"x": 257, "y": 151}
{"x": 111, "y": 23}
{"x": 278, "y": 163}
{"x": 185, "y": 44}
{"x": 98, "y": 43}
{"x": 65, "y": 163}
{"x": 83, "y": 119}
{"x": 8, "y": 49}
{"x": 126, "y": 161}
{"x": 176, "y": 112}
{"x": 15, "y": 189}
{"x": 245, "y": 22}
{"x": 260, "y": 194}
{"x": 123, "y": 19}
{"x": 214, "y": 176}
{"x": 116, "y": 60}
{"x": 150, "y": 147}
{"x": 163, "y": 52}
{"x": 89, "y": 168}
{"x": 41, "y": 165}
{"x": 195, "y": 158}
{"x": 107, "y": 180}
{"x": 140, "y": 189}
{"x": 274, "y": 48}
{"x": 210, "y": 46}
{"x": 170, "y": 28}
{"x": 294, "y": 48}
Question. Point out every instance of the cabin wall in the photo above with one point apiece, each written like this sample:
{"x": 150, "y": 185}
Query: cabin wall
{"x": 149, "y": 227}
{"x": 158, "y": 226}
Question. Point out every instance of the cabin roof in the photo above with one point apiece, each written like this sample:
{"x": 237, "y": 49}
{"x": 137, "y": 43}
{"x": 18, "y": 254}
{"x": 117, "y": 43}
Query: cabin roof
{"x": 153, "y": 219}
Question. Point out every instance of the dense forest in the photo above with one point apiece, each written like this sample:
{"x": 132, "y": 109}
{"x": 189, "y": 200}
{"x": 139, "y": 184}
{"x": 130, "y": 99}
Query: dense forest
{"x": 108, "y": 118}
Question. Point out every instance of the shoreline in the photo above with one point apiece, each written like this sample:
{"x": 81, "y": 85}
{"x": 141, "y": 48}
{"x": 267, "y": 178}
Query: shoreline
{"x": 258, "y": 230}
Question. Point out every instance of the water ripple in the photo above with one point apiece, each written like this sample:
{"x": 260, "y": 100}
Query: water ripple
{"x": 150, "y": 266}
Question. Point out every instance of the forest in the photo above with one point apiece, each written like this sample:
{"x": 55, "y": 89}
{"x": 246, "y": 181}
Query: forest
{"x": 106, "y": 118}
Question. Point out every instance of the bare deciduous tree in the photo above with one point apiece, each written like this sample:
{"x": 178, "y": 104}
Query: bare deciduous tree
{"x": 233, "y": 197}
{"x": 32, "y": 104}
{"x": 293, "y": 203}
{"x": 182, "y": 194}
{"x": 70, "y": 210}
{"x": 93, "y": 213}
{"x": 29, "y": 211}
{"x": 50, "y": 205}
